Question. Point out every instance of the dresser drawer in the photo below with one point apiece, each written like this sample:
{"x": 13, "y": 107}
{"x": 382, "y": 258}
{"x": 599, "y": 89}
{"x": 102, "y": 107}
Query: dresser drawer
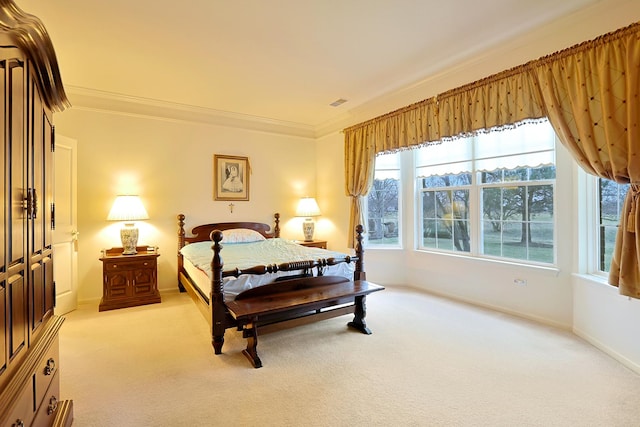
{"x": 22, "y": 412}
{"x": 47, "y": 368}
{"x": 49, "y": 405}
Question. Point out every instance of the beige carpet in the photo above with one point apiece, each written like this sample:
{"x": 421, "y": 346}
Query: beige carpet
{"x": 429, "y": 362}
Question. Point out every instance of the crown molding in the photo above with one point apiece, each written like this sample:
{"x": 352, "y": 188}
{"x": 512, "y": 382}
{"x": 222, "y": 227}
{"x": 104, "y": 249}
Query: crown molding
{"x": 95, "y": 100}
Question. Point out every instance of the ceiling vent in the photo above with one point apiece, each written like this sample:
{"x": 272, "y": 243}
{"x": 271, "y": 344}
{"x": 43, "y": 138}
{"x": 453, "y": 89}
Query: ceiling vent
{"x": 338, "y": 102}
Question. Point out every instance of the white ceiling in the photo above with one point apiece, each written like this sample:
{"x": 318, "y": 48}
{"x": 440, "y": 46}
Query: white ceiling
{"x": 282, "y": 61}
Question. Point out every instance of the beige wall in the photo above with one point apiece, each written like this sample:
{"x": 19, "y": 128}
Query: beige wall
{"x": 169, "y": 164}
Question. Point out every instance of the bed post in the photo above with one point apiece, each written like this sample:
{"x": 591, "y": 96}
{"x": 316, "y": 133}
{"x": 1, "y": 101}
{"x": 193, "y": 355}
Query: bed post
{"x": 181, "y": 235}
{"x": 276, "y": 230}
{"x": 359, "y": 274}
{"x": 216, "y": 301}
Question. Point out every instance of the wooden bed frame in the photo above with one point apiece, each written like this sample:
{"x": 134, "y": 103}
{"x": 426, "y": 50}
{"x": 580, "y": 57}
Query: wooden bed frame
{"x": 291, "y": 301}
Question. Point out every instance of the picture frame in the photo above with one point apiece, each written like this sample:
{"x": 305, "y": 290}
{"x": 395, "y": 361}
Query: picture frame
{"x": 230, "y": 177}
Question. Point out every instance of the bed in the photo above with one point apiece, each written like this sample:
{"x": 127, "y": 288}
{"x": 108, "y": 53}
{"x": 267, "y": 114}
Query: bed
{"x": 265, "y": 280}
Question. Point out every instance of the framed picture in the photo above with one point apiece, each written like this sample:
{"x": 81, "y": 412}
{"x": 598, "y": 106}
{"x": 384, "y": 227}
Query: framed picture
{"x": 230, "y": 177}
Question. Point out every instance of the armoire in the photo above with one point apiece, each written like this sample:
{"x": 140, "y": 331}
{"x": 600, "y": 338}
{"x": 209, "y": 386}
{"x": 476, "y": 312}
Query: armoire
{"x": 31, "y": 89}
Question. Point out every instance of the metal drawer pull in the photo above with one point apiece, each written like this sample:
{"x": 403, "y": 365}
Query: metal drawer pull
{"x": 51, "y": 367}
{"x": 53, "y": 405}
{"x": 18, "y": 423}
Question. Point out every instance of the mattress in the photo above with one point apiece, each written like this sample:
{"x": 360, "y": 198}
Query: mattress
{"x": 197, "y": 263}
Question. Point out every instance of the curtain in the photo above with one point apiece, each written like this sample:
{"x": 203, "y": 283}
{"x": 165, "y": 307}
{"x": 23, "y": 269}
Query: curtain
{"x": 589, "y": 92}
{"x": 359, "y": 165}
{"x": 591, "y": 95}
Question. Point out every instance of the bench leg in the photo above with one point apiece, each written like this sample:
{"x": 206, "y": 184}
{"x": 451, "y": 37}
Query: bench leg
{"x": 217, "y": 342}
{"x": 251, "y": 334}
{"x": 360, "y": 313}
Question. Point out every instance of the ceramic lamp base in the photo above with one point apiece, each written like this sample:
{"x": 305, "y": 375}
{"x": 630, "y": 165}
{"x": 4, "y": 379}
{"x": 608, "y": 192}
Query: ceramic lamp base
{"x": 129, "y": 237}
{"x": 308, "y": 227}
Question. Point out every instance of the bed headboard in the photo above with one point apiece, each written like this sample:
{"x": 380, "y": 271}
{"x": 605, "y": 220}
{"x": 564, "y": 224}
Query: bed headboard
{"x": 201, "y": 233}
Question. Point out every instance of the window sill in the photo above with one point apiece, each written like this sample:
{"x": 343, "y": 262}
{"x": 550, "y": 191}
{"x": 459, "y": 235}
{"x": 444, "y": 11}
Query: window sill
{"x": 381, "y": 247}
{"x": 550, "y": 270}
{"x": 594, "y": 278}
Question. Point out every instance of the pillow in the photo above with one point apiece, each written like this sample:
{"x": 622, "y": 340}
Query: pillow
{"x": 241, "y": 235}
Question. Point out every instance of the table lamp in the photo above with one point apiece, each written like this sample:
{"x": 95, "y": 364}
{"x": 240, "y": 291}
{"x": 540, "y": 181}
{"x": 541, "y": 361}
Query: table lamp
{"x": 308, "y": 208}
{"x": 128, "y": 209}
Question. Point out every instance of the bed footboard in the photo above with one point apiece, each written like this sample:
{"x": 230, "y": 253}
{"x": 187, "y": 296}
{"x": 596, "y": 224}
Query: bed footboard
{"x": 219, "y": 310}
{"x": 221, "y": 318}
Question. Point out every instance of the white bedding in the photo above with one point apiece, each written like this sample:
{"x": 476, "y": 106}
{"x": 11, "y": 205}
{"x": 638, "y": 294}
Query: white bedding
{"x": 197, "y": 261}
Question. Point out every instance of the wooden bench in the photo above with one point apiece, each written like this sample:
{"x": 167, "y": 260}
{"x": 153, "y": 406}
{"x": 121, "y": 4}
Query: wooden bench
{"x": 296, "y": 299}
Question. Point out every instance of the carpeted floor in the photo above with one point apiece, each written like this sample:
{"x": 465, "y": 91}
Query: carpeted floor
{"x": 429, "y": 362}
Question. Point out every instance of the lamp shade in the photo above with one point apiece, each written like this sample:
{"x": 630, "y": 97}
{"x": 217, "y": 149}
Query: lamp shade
{"x": 308, "y": 207}
{"x": 127, "y": 208}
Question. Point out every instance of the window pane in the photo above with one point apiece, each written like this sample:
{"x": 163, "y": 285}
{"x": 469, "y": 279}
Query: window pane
{"x": 429, "y": 233}
{"x": 492, "y": 238}
{"x": 514, "y": 237}
{"x": 492, "y": 204}
{"x": 541, "y": 244}
{"x": 438, "y": 181}
{"x": 540, "y": 173}
{"x": 446, "y": 220}
{"x": 607, "y": 242}
{"x": 382, "y": 208}
{"x": 540, "y": 202}
{"x": 383, "y": 202}
{"x": 443, "y": 204}
{"x": 461, "y": 239}
{"x": 490, "y": 177}
{"x": 525, "y": 229}
{"x": 611, "y": 199}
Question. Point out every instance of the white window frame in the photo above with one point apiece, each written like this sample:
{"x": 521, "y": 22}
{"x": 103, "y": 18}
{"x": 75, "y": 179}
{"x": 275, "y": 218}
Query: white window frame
{"x": 475, "y": 216}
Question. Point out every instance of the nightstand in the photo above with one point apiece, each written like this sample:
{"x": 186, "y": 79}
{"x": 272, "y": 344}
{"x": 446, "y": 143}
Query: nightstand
{"x": 129, "y": 280}
{"x": 322, "y": 244}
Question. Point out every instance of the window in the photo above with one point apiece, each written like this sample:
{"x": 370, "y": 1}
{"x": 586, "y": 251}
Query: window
{"x": 610, "y": 202}
{"x": 490, "y": 195}
{"x": 383, "y": 203}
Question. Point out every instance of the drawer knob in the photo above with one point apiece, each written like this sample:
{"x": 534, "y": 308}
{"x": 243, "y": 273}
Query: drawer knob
{"x": 53, "y": 405}
{"x": 18, "y": 423}
{"x": 51, "y": 367}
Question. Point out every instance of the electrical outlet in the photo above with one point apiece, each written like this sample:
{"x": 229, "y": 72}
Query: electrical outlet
{"x": 520, "y": 282}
